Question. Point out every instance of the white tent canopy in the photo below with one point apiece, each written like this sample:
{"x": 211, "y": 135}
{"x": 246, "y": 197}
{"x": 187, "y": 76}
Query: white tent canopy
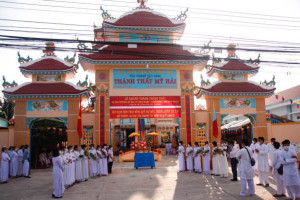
{"x": 235, "y": 125}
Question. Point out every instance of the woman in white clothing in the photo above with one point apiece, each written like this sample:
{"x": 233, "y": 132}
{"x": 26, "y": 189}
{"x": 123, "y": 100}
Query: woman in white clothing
{"x": 189, "y": 158}
{"x": 206, "y": 158}
{"x": 181, "y": 157}
{"x": 223, "y": 161}
{"x": 84, "y": 163}
{"x": 245, "y": 171}
{"x": 197, "y": 158}
{"x": 26, "y": 162}
{"x": 4, "y": 165}
{"x": 14, "y": 162}
{"x": 104, "y": 161}
{"x": 93, "y": 161}
{"x": 78, "y": 168}
{"x": 20, "y": 159}
{"x": 216, "y": 159}
{"x": 99, "y": 160}
{"x": 58, "y": 179}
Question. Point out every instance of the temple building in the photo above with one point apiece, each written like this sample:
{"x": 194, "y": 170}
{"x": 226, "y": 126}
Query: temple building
{"x": 143, "y": 84}
{"x": 134, "y": 80}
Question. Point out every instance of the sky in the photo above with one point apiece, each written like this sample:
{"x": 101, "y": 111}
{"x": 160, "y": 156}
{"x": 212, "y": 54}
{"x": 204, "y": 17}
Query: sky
{"x": 270, "y": 24}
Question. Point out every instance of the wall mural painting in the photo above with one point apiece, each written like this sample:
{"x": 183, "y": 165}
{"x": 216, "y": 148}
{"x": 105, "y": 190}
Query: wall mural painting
{"x": 237, "y": 103}
{"x": 88, "y": 135}
{"x": 51, "y": 105}
{"x": 49, "y": 78}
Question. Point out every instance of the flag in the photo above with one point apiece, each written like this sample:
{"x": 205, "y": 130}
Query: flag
{"x": 276, "y": 96}
{"x": 141, "y": 124}
{"x": 215, "y": 123}
{"x": 282, "y": 98}
{"x": 298, "y": 104}
{"x": 79, "y": 121}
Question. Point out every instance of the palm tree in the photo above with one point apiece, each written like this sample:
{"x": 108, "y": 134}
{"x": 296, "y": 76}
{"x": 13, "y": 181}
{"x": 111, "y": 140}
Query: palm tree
{"x": 7, "y": 110}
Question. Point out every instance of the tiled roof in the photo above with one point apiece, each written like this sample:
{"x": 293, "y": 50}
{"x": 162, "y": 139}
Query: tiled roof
{"x": 240, "y": 88}
{"x": 145, "y": 18}
{"x": 46, "y": 64}
{"x": 291, "y": 93}
{"x": 45, "y": 89}
{"x": 233, "y": 66}
{"x": 142, "y": 52}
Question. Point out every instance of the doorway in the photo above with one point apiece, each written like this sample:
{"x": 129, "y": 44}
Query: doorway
{"x": 46, "y": 134}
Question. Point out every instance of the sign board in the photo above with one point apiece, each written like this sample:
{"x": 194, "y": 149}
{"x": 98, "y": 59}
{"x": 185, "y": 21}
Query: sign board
{"x": 145, "y": 107}
{"x": 145, "y": 79}
{"x": 237, "y": 103}
{"x": 141, "y": 37}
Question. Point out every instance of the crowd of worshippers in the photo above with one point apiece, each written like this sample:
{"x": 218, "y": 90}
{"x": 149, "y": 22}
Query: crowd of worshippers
{"x": 14, "y": 163}
{"x": 246, "y": 160}
{"x": 76, "y": 164}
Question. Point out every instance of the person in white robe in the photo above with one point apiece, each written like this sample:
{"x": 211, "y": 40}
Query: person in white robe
{"x": 20, "y": 163}
{"x": 58, "y": 178}
{"x": 263, "y": 163}
{"x": 43, "y": 159}
{"x": 73, "y": 159}
{"x": 271, "y": 150}
{"x": 14, "y": 162}
{"x": 68, "y": 157}
{"x": 62, "y": 154}
{"x": 104, "y": 161}
{"x": 197, "y": 158}
{"x": 277, "y": 162}
{"x": 216, "y": 160}
{"x": 206, "y": 158}
{"x": 4, "y": 165}
{"x": 93, "y": 161}
{"x": 84, "y": 163}
{"x": 181, "y": 157}
{"x": 189, "y": 158}
{"x": 254, "y": 146}
{"x": 78, "y": 161}
{"x": 223, "y": 161}
{"x": 290, "y": 172}
{"x": 99, "y": 160}
{"x": 10, "y": 150}
{"x": 26, "y": 162}
{"x": 245, "y": 170}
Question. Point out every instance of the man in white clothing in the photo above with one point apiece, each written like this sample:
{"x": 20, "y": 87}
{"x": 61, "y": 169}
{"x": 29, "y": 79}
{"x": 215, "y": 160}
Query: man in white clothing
{"x": 290, "y": 172}
{"x": 277, "y": 164}
{"x": 271, "y": 150}
{"x": 262, "y": 165}
{"x": 181, "y": 159}
{"x": 233, "y": 160}
{"x": 206, "y": 158}
{"x": 254, "y": 146}
{"x": 246, "y": 172}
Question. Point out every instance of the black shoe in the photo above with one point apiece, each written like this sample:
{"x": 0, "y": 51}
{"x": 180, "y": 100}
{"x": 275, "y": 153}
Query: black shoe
{"x": 234, "y": 179}
{"x": 259, "y": 184}
{"x": 267, "y": 185}
{"x": 53, "y": 196}
{"x": 27, "y": 177}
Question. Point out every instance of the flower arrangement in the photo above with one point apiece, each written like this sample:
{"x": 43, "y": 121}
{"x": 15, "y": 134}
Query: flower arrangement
{"x": 199, "y": 152}
{"x": 190, "y": 152}
{"x": 92, "y": 156}
{"x": 205, "y": 152}
{"x": 159, "y": 151}
{"x": 120, "y": 152}
{"x": 216, "y": 151}
{"x": 99, "y": 155}
{"x": 138, "y": 146}
{"x": 86, "y": 153}
{"x": 103, "y": 153}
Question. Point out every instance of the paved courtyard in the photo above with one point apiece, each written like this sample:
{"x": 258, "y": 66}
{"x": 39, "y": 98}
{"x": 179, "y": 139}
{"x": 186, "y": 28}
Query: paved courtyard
{"x": 127, "y": 183}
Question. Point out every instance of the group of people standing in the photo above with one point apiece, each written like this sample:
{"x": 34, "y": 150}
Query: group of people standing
{"x": 76, "y": 164}
{"x": 14, "y": 162}
{"x": 245, "y": 161}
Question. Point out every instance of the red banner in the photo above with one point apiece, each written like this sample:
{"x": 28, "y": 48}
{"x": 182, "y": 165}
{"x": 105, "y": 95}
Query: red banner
{"x": 188, "y": 120}
{"x": 102, "y": 119}
{"x": 145, "y": 107}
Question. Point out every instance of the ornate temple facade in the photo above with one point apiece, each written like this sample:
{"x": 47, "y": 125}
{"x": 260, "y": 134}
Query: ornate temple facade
{"x": 143, "y": 82}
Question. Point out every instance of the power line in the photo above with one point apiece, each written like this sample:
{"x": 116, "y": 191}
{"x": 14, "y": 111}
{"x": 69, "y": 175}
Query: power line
{"x": 229, "y": 22}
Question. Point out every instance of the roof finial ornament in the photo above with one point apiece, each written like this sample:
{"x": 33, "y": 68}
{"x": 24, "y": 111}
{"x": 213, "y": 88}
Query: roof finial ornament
{"x": 231, "y": 50}
{"x": 142, "y": 3}
{"x": 105, "y": 14}
{"x": 49, "y": 49}
{"x": 182, "y": 16}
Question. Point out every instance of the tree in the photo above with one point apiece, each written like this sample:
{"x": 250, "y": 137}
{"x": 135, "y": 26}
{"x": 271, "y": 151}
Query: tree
{"x": 7, "y": 110}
